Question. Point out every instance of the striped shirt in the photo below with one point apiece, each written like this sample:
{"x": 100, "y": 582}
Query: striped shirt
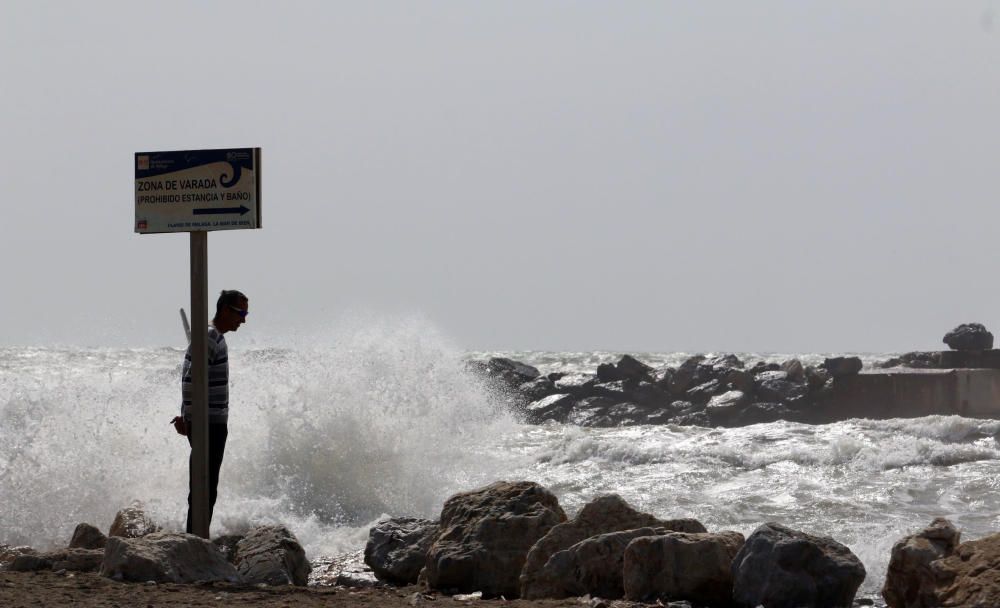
{"x": 218, "y": 379}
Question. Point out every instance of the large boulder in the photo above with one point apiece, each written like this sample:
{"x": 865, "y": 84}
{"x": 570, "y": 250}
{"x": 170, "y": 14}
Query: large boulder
{"x": 593, "y": 412}
{"x": 554, "y": 407}
{"x": 630, "y": 368}
{"x": 537, "y": 389}
{"x": 514, "y": 372}
{"x": 397, "y": 548}
{"x": 86, "y": 536}
{"x": 604, "y": 514}
{"x": 970, "y": 576}
{"x": 592, "y": 566}
{"x": 784, "y": 568}
{"x": 485, "y": 536}
{"x": 682, "y": 566}
{"x": 969, "y": 336}
{"x": 166, "y": 558}
{"x": 909, "y": 582}
{"x": 795, "y": 371}
{"x": 723, "y": 408}
{"x": 133, "y": 522}
{"x": 838, "y": 367}
{"x": 689, "y": 374}
{"x": 781, "y": 391}
{"x": 272, "y": 555}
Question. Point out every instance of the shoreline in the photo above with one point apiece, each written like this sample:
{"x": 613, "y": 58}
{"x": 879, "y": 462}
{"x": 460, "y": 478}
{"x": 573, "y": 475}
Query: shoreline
{"x": 90, "y": 590}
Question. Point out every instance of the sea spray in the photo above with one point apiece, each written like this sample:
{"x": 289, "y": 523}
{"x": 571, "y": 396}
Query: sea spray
{"x": 367, "y": 417}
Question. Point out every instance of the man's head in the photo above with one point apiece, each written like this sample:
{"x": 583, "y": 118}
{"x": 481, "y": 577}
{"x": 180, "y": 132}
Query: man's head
{"x": 230, "y": 310}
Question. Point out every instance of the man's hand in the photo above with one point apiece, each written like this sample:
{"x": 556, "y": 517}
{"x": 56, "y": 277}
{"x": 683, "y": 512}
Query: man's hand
{"x": 179, "y": 425}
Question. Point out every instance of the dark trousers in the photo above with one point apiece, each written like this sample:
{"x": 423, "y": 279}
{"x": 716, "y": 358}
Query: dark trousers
{"x": 217, "y": 434}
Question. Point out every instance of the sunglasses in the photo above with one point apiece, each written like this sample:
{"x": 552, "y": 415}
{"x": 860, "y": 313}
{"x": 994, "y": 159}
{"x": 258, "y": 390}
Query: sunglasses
{"x": 242, "y": 313}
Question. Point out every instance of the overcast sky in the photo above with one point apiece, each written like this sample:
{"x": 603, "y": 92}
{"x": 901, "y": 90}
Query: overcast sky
{"x": 636, "y": 176}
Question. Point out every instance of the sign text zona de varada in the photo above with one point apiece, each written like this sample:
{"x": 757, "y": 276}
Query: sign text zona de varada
{"x": 175, "y": 184}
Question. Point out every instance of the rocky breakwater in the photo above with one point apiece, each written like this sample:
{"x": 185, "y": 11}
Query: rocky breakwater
{"x": 511, "y": 539}
{"x": 136, "y": 549}
{"x": 705, "y": 391}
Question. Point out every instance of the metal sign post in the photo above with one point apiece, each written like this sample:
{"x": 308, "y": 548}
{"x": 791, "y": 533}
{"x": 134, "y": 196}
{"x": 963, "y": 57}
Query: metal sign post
{"x": 199, "y": 384}
{"x": 196, "y": 191}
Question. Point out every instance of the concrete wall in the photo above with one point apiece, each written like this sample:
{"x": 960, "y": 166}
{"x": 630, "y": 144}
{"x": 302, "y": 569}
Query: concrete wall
{"x": 905, "y": 393}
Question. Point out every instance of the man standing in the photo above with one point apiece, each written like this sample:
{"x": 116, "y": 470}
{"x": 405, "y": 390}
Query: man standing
{"x": 230, "y": 312}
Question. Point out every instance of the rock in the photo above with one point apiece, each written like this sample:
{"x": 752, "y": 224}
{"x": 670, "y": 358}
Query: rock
{"x": 227, "y": 545}
{"x": 132, "y": 522}
{"x": 592, "y": 412}
{"x": 970, "y": 576}
{"x": 723, "y": 408}
{"x": 729, "y": 361}
{"x": 8, "y": 554}
{"x": 796, "y": 373}
{"x": 165, "y": 558}
{"x": 784, "y": 568}
{"x": 605, "y": 514}
{"x": 969, "y": 336}
{"x": 554, "y": 407}
{"x": 625, "y": 414}
{"x": 357, "y": 580}
{"x": 499, "y": 365}
{"x": 617, "y": 390}
{"x": 782, "y": 391}
{"x": 79, "y": 560}
{"x": 86, "y": 536}
{"x": 344, "y": 569}
{"x": 648, "y": 394}
{"x": 816, "y": 377}
{"x": 575, "y": 384}
{"x": 762, "y": 366}
{"x": 703, "y": 392}
{"x": 687, "y": 375}
{"x": 607, "y": 372}
{"x": 538, "y": 388}
{"x": 591, "y": 566}
{"x": 909, "y": 582}
{"x": 682, "y": 566}
{"x": 765, "y": 376}
{"x": 738, "y": 379}
{"x": 397, "y": 548}
{"x": 662, "y": 376}
{"x": 30, "y": 562}
{"x": 630, "y": 368}
{"x": 917, "y": 360}
{"x": 485, "y": 536}
{"x": 842, "y": 366}
{"x": 272, "y": 555}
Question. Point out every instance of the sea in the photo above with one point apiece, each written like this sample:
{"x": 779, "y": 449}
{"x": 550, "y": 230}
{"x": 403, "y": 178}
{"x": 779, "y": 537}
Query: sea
{"x": 331, "y": 431}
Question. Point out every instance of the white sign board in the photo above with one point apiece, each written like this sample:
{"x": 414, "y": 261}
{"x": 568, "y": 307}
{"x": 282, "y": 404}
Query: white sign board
{"x": 197, "y": 190}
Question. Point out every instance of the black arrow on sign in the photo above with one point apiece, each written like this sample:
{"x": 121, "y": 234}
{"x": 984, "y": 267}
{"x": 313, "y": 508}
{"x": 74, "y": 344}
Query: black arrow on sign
{"x": 221, "y": 210}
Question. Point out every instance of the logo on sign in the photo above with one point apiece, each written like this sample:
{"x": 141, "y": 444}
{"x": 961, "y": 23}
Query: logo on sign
{"x": 141, "y": 225}
{"x": 143, "y": 162}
